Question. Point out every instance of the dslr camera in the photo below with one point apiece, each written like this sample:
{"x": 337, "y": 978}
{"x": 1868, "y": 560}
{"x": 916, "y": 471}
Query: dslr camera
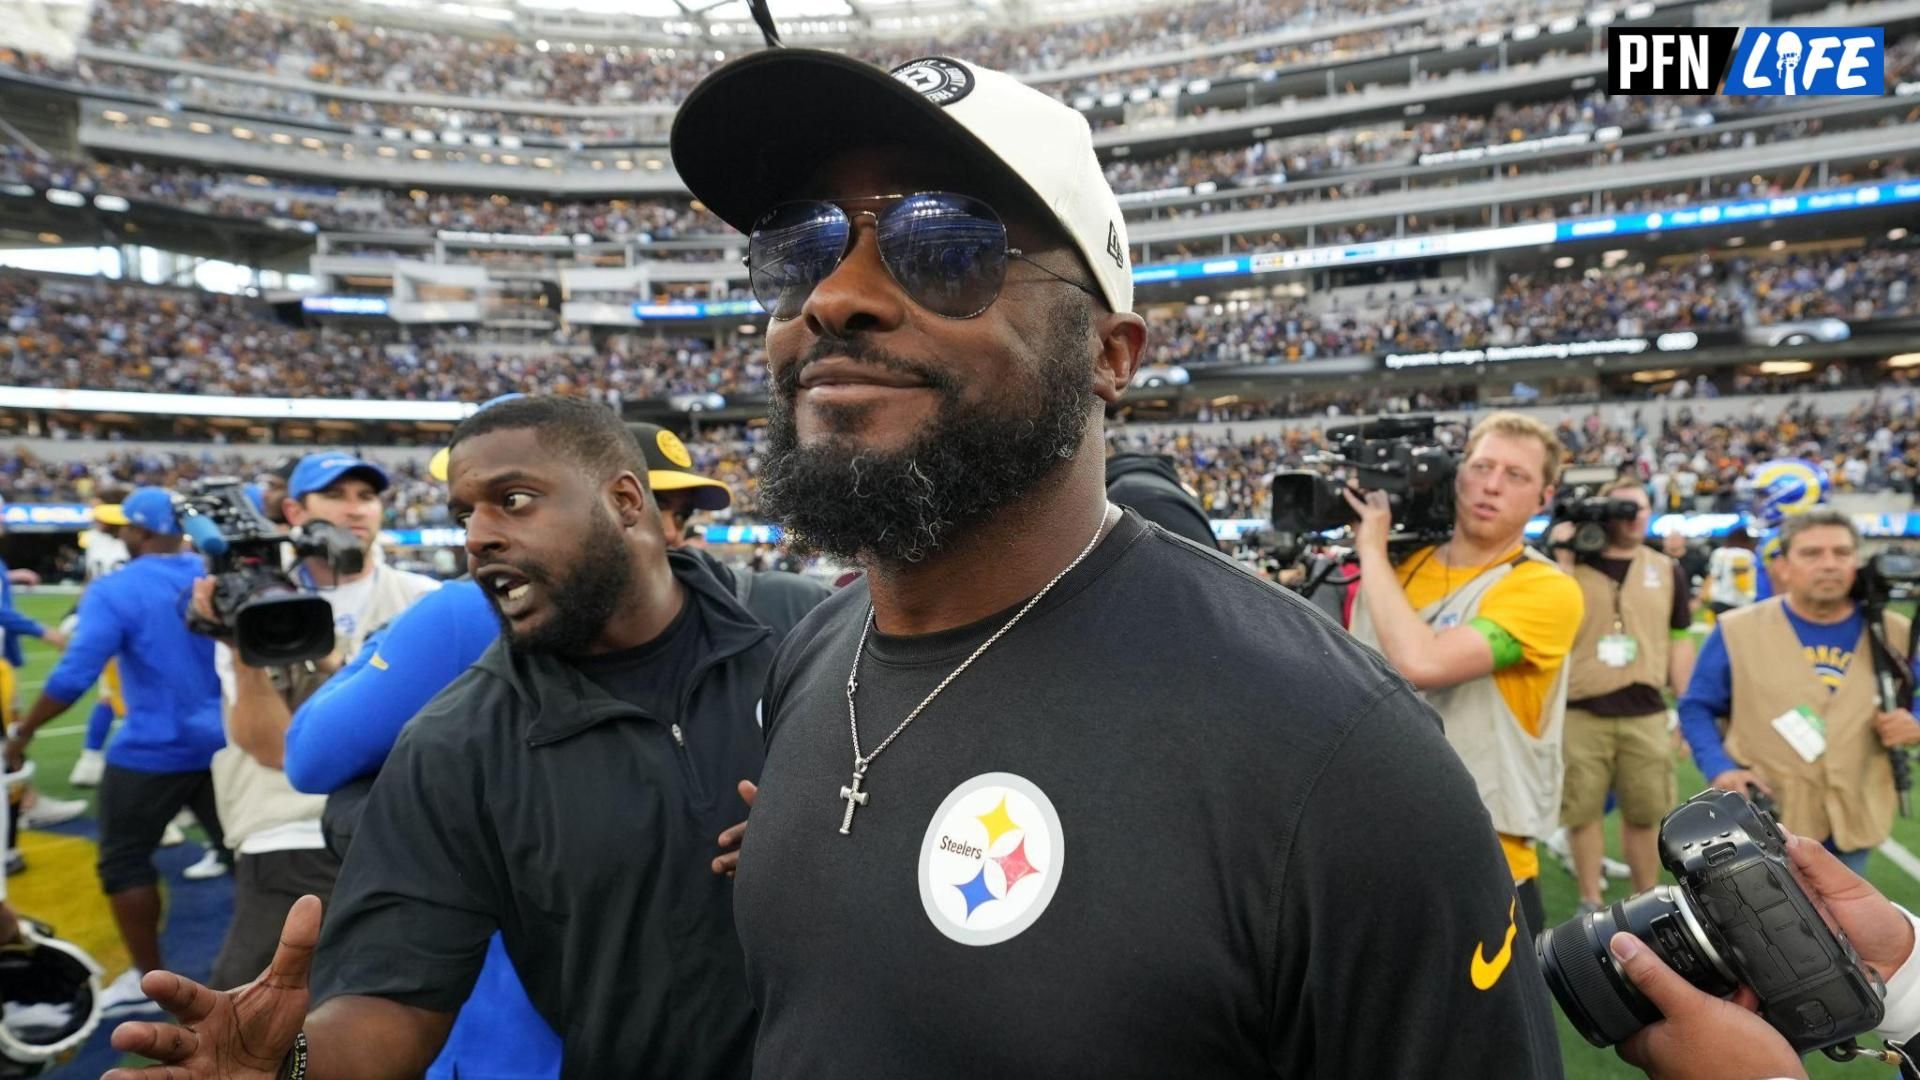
{"x": 1737, "y": 918}
{"x": 1590, "y": 514}
{"x": 270, "y": 620}
{"x": 1399, "y": 455}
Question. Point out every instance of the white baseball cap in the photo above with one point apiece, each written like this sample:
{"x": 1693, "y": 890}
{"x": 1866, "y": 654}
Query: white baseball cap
{"x": 748, "y": 131}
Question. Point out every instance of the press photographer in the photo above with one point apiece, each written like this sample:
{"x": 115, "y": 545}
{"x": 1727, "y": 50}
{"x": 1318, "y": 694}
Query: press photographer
{"x": 1633, "y": 641}
{"x": 277, "y": 647}
{"x": 1805, "y": 719}
{"x": 1482, "y": 624}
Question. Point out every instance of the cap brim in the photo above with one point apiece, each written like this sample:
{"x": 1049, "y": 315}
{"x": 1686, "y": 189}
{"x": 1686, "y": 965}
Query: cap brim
{"x": 707, "y": 494}
{"x": 110, "y": 514}
{"x": 437, "y": 465}
{"x": 751, "y": 131}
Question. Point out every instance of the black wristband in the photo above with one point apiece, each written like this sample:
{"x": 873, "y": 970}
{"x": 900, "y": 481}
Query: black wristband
{"x": 294, "y": 1066}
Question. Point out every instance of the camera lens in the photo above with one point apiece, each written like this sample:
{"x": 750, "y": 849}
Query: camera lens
{"x": 1592, "y": 990}
{"x": 284, "y": 629}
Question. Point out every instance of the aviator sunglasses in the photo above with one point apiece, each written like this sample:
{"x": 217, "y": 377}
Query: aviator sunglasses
{"x": 948, "y": 252}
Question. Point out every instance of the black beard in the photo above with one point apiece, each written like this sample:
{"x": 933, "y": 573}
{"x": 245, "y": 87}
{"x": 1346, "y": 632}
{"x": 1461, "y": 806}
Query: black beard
{"x": 583, "y": 600}
{"x": 904, "y": 506}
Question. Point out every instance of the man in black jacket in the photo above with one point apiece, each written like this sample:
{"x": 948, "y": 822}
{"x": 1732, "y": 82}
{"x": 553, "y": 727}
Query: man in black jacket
{"x": 1148, "y": 485}
{"x": 566, "y": 791}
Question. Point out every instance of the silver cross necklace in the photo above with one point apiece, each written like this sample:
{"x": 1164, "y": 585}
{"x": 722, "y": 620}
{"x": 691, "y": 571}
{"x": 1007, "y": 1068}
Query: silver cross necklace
{"x": 851, "y": 793}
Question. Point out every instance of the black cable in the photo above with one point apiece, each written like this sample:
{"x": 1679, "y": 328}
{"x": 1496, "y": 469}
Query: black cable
{"x": 763, "y": 15}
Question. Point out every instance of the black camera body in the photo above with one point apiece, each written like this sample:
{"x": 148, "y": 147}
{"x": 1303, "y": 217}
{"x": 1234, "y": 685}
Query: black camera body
{"x": 1398, "y": 455}
{"x": 1590, "y": 517}
{"x": 270, "y": 620}
{"x": 1591, "y": 513}
{"x": 1737, "y": 917}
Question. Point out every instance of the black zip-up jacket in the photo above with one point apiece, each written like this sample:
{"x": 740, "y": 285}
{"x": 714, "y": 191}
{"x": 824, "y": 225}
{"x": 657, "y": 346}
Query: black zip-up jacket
{"x": 526, "y": 799}
{"x": 1149, "y": 485}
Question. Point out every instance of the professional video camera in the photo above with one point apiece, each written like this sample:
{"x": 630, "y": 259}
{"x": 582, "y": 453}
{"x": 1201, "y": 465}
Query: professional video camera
{"x": 1590, "y": 512}
{"x": 269, "y": 618}
{"x": 1398, "y": 455}
{"x": 1737, "y": 918}
{"x": 1889, "y": 577}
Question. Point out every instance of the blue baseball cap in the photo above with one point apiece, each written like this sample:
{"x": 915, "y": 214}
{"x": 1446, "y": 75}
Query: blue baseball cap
{"x": 318, "y": 472}
{"x": 151, "y": 508}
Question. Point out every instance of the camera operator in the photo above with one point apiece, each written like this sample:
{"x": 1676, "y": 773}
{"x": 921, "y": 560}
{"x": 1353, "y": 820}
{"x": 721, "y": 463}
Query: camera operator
{"x": 1482, "y": 624}
{"x": 1708, "y": 1038}
{"x": 275, "y": 830}
{"x": 1793, "y": 675}
{"x": 1633, "y": 640}
{"x": 158, "y": 763}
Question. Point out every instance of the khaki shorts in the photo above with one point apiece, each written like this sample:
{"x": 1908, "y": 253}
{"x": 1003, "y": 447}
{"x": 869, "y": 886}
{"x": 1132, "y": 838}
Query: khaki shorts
{"x": 1632, "y": 756}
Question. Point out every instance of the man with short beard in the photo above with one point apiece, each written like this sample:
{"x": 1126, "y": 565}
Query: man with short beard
{"x": 566, "y": 791}
{"x": 1052, "y": 792}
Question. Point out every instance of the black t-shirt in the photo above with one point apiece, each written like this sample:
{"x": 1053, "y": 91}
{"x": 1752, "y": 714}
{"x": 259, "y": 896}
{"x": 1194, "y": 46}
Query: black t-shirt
{"x": 1175, "y": 823}
{"x": 652, "y": 676}
{"x": 1638, "y": 699}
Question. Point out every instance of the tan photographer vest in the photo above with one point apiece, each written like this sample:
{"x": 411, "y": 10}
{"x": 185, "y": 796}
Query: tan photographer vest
{"x": 1645, "y": 605}
{"x": 1848, "y": 792}
{"x": 1518, "y": 774}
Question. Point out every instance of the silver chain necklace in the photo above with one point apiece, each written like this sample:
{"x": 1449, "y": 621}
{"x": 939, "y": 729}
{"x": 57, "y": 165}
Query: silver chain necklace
{"x": 851, "y": 792}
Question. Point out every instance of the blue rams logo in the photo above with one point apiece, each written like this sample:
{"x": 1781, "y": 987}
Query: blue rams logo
{"x": 1787, "y": 487}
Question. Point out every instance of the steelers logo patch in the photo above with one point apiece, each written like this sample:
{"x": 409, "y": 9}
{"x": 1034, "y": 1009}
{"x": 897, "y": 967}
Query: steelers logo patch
{"x": 675, "y": 450}
{"x": 936, "y": 78}
{"x": 991, "y": 859}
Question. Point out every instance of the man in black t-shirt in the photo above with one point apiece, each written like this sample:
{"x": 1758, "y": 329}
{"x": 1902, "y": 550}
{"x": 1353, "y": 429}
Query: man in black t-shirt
{"x": 1105, "y": 804}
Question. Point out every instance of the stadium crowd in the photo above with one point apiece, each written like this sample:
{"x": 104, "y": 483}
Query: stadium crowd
{"x": 346, "y": 52}
{"x": 102, "y": 336}
{"x": 254, "y": 198}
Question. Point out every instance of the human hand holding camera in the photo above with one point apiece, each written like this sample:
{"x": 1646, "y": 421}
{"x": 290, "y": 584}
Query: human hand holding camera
{"x": 1373, "y": 521}
{"x": 1737, "y": 781}
{"x": 1897, "y": 728}
{"x": 1703, "y": 1036}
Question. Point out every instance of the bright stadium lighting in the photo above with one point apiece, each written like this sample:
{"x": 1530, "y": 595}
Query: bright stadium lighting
{"x": 1904, "y": 360}
{"x": 1897, "y": 233}
{"x": 114, "y": 116}
{"x": 281, "y": 138}
{"x": 200, "y": 127}
{"x": 242, "y": 133}
{"x": 159, "y": 122}
{"x": 1563, "y": 262}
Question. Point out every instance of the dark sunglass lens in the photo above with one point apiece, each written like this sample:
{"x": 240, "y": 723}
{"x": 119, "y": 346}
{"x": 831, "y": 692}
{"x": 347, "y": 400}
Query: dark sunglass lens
{"x": 792, "y": 249}
{"x": 948, "y": 252}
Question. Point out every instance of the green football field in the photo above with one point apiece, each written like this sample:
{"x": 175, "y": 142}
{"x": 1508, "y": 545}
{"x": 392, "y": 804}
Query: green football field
{"x": 59, "y": 743}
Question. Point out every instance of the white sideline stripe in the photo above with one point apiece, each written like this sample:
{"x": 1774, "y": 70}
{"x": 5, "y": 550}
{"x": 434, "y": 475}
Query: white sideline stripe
{"x": 80, "y": 729}
{"x": 1897, "y": 853}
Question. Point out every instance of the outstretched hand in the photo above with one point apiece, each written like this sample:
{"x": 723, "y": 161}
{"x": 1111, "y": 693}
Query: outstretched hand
{"x": 241, "y": 1034}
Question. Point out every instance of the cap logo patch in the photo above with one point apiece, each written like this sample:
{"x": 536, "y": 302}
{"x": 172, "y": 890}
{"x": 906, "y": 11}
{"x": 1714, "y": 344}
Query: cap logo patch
{"x": 936, "y": 78}
{"x": 674, "y": 450}
{"x": 1114, "y": 249}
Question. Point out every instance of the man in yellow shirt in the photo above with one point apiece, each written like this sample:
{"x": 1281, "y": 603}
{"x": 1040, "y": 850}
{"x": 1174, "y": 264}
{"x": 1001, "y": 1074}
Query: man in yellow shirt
{"x": 1482, "y": 625}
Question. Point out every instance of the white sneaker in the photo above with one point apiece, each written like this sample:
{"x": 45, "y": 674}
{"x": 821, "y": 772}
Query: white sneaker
{"x": 208, "y": 868}
{"x": 1615, "y": 869}
{"x": 172, "y": 836}
{"x": 89, "y": 769}
{"x": 123, "y": 995}
{"x": 184, "y": 819}
{"x": 46, "y": 813}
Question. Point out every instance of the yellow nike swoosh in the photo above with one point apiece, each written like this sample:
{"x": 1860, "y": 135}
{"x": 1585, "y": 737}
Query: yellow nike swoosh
{"x": 1487, "y": 972}
{"x": 378, "y": 662}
